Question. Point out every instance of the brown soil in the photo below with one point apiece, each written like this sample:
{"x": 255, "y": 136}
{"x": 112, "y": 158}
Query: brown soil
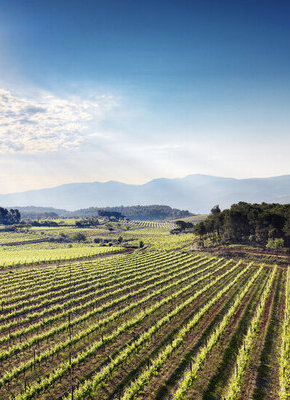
{"x": 122, "y": 372}
{"x": 89, "y": 365}
{"x": 250, "y": 378}
{"x": 166, "y": 383}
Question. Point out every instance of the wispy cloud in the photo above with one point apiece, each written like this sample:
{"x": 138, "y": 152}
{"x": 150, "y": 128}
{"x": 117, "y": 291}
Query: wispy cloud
{"x": 48, "y": 123}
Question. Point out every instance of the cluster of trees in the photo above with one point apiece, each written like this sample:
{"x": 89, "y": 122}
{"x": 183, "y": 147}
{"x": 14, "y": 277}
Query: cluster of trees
{"x": 87, "y": 222}
{"x": 111, "y": 214}
{"x": 182, "y": 226}
{"x": 263, "y": 224}
{"x": 32, "y": 212}
{"x": 39, "y": 215}
{"x": 78, "y": 237}
{"x": 9, "y": 217}
{"x": 142, "y": 213}
{"x": 151, "y": 213}
{"x": 42, "y": 223}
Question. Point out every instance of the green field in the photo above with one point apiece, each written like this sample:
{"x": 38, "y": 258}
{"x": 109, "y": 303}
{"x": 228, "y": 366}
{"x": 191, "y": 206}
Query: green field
{"x": 194, "y": 218}
{"x": 85, "y": 321}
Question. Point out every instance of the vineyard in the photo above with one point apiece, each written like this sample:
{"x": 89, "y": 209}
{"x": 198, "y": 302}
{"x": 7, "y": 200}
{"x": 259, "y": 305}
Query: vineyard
{"x": 152, "y": 224}
{"x": 153, "y": 324}
{"x": 20, "y": 257}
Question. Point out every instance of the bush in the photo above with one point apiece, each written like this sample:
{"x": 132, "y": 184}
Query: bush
{"x": 79, "y": 237}
{"x": 275, "y": 244}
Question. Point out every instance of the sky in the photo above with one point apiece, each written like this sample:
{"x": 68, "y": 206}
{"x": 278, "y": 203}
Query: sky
{"x": 132, "y": 90}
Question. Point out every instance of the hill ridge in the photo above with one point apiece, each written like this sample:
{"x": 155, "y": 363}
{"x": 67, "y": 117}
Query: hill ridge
{"x": 196, "y": 193}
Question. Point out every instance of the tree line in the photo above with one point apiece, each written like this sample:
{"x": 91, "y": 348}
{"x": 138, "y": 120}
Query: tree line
{"x": 9, "y": 217}
{"x": 261, "y": 224}
{"x": 142, "y": 213}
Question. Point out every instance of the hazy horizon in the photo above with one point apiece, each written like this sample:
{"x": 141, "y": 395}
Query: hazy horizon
{"x": 134, "y": 91}
{"x": 147, "y": 181}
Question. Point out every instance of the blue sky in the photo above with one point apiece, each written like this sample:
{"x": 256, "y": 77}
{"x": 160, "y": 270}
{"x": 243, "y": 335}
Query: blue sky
{"x": 134, "y": 90}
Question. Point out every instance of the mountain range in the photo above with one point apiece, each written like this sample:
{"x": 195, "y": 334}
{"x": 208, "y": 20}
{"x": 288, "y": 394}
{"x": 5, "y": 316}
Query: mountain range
{"x": 197, "y": 193}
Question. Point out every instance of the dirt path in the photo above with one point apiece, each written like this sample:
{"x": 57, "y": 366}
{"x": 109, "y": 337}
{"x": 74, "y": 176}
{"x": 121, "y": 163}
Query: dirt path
{"x": 282, "y": 259}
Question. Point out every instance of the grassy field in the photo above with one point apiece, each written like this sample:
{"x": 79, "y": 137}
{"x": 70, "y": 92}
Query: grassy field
{"x": 159, "y": 322}
{"x": 194, "y": 218}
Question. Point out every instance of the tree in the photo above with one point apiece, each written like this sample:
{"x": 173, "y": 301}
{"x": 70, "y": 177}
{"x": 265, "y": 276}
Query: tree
{"x": 86, "y": 222}
{"x": 275, "y": 244}
{"x": 244, "y": 222}
{"x": 200, "y": 229}
{"x": 120, "y": 239}
{"x": 181, "y": 224}
{"x": 215, "y": 210}
{"x": 9, "y": 217}
{"x": 79, "y": 237}
{"x": 286, "y": 228}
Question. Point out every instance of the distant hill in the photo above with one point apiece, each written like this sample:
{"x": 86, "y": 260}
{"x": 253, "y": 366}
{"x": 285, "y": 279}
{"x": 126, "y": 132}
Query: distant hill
{"x": 40, "y": 212}
{"x": 197, "y": 193}
{"x": 141, "y": 213}
{"x": 145, "y": 213}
